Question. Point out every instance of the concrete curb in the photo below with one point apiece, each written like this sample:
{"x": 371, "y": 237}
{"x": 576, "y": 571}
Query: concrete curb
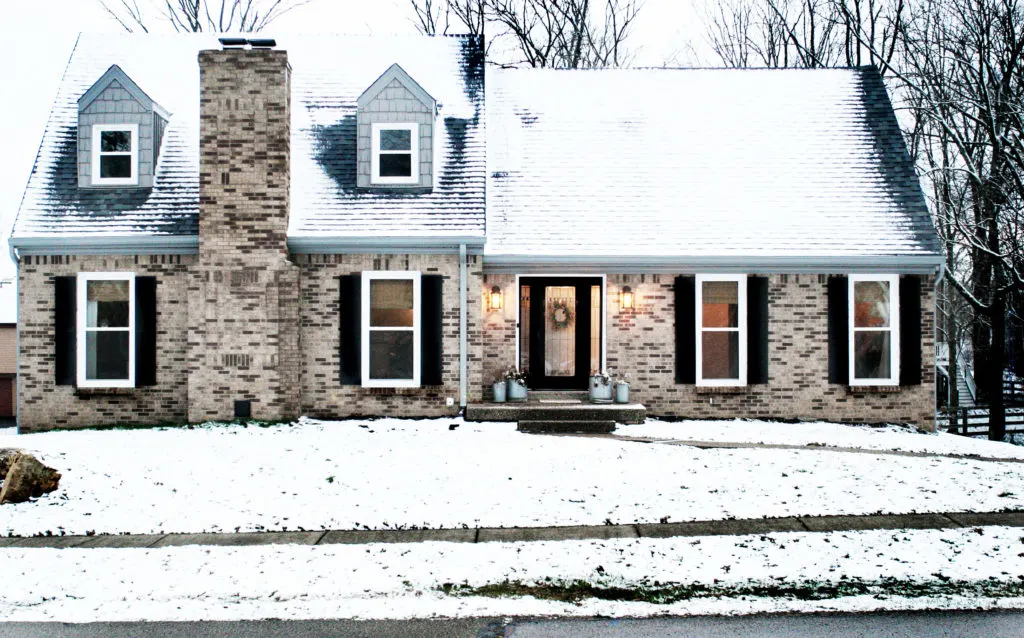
{"x": 950, "y": 520}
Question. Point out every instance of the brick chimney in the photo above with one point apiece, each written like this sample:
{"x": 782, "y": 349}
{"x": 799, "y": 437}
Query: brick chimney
{"x": 243, "y": 302}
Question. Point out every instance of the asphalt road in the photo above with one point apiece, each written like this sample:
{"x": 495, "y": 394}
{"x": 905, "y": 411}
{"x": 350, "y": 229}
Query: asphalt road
{"x": 884, "y": 625}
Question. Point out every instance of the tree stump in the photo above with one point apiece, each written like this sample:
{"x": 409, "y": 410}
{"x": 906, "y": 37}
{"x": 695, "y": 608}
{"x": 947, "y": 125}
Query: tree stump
{"x": 27, "y": 478}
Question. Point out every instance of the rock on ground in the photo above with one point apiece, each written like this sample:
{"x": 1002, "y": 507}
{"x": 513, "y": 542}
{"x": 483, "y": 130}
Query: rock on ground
{"x": 27, "y": 478}
{"x": 7, "y": 455}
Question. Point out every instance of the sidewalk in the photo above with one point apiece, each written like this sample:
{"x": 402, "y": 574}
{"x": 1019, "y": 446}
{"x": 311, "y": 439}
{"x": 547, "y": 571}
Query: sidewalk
{"x": 949, "y": 520}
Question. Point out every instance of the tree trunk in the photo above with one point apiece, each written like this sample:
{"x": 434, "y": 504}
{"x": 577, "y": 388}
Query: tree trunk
{"x": 997, "y": 363}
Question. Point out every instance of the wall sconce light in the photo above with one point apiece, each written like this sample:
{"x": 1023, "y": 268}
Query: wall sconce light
{"x": 626, "y": 298}
{"x": 495, "y": 299}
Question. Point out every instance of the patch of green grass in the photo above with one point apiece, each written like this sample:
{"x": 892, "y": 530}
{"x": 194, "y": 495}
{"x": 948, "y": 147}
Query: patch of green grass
{"x": 666, "y": 593}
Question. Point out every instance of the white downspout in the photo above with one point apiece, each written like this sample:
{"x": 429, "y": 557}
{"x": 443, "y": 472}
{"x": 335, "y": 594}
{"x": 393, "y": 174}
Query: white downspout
{"x": 463, "y": 327}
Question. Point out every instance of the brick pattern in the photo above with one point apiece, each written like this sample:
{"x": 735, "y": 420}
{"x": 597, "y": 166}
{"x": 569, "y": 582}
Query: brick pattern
{"x": 244, "y": 292}
{"x": 321, "y": 394}
{"x": 641, "y": 341}
{"x": 8, "y": 349}
{"x": 45, "y": 405}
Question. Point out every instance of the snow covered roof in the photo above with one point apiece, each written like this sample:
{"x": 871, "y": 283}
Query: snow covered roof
{"x": 699, "y": 164}
{"x": 328, "y": 75}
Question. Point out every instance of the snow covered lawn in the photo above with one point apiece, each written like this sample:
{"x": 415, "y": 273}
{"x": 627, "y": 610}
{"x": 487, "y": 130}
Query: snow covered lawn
{"x": 894, "y": 437}
{"x": 851, "y": 571}
{"x": 392, "y": 473}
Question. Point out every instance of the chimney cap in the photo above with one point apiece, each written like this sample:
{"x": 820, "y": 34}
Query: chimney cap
{"x": 255, "y": 43}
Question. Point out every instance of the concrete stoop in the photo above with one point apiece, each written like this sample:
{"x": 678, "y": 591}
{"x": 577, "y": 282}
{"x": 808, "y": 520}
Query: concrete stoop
{"x": 566, "y": 427}
{"x": 559, "y": 413}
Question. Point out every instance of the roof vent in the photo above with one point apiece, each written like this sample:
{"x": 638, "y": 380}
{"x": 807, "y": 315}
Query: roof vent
{"x": 255, "y": 43}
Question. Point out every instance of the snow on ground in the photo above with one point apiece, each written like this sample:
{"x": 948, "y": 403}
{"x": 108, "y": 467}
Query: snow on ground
{"x": 892, "y": 437}
{"x": 949, "y": 568}
{"x": 391, "y": 473}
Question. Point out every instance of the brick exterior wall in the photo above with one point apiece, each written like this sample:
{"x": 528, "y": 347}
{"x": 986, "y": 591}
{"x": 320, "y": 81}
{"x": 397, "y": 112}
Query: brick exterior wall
{"x": 8, "y": 348}
{"x": 244, "y": 292}
{"x": 322, "y": 396}
{"x": 45, "y": 405}
{"x": 641, "y": 342}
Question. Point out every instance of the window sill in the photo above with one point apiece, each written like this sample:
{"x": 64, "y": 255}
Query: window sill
{"x": 721, "y": 389}
{"x": 102, "y": 392}
{"x": 872, "y": 389}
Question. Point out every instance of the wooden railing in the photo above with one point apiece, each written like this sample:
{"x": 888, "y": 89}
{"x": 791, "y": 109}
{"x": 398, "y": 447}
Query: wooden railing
{"x": 974, "y": 421}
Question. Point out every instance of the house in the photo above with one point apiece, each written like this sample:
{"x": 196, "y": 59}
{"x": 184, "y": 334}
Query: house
{"x": 8, "y": 350}
{"x": 346, "y": 226}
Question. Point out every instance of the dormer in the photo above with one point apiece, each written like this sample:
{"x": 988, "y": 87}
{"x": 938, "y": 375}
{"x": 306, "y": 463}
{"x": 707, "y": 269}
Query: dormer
{"x": 119, "y": 133}
{"x": 395, "y": 143}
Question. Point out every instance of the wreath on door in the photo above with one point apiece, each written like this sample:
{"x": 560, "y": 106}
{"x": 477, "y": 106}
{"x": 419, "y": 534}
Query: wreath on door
{"x": 561, "y": 314}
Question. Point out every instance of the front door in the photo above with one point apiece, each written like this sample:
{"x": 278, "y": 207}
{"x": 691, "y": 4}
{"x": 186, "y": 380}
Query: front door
{"x": 560, "y": 331}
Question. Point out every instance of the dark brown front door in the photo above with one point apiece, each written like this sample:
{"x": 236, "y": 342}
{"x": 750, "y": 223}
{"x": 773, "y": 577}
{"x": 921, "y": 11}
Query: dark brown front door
{"x": 6, "y": 398}
{"x": 560, "y": 329}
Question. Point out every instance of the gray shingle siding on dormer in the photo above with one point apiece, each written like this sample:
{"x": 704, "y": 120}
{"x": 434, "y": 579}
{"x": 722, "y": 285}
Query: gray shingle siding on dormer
{"x": 400, "y": 104}
{"x": 116, "y": 105}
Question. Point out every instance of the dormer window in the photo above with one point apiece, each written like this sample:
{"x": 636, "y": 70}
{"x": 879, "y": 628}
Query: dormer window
{"x": 395, "y": 139}
{"x": 120, "y": 130}
{"x": 115, "y": 154}
{"x": 395, "y": 158}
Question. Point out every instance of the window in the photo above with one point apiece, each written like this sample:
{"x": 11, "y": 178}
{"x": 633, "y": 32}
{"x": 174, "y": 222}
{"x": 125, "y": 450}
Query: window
{"x": 391, "y": 329}
{"x": 115, "y": 154}
{"x": 874, "y": 330}
{"x": 106, "y": 329}
{"x": 722, "y": 330}
{"x": 395, "y": 157}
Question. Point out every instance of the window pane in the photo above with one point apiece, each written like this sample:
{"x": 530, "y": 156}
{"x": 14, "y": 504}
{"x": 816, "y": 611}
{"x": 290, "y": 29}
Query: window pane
{"x": 560, "y": 331}
{"x": 115, "y": 142}
{"x": 870, "y": 304}
{"x": 106, "y": 355}
{"x": 398, "y": 165}
{"x": 396, "y": 140}
{"x": 720, "y": 301}
{"x": 871, "y": 354}
{"x": 107, "y": 304}
{"x": 524, "y": 328}
{"x": 721, "y": 354}
{"x": 391, "y": 354}
{"x": 391, "y": 303}
{"x": 116, "y": 166}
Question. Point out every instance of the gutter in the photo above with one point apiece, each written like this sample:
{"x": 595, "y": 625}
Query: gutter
{"x": 741, "y": 264}
{"x": 463, "y": 327}
{"x": 403, "y": 244}
{"x": 107, "y": 245}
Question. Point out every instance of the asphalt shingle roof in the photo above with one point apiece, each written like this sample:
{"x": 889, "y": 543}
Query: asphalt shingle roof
{"x": 666, "y": 162}
{"x": 328, "y": 74}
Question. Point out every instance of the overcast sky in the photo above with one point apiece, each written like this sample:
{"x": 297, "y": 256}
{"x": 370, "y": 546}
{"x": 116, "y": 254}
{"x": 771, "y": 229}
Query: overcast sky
{"x": 40, "y": 35}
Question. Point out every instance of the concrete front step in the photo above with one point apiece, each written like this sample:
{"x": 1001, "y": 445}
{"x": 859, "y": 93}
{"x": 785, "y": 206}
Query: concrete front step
{"x": 566, "y": 427}
{"x": 531, "y": 411}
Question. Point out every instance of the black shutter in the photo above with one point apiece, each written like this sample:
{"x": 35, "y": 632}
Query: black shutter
{"x": 145, "y": 331}
{"x": 757, "y": 330}
{"x": 350, "y": 322}
{"x": 431, "y": 329}
{"x": 64, "y": 321}
{"x": 686, "y": 330}
{"x": 910, "y": 330}
{"x": 838, "y": 330}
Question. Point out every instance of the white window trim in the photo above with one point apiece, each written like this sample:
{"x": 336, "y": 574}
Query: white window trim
{"x": 368, "y": 276}
{"x": 375, "y": 153}
{"x": 81, "y": 293}
{"x": 894, "y": 328}
{"x": 741, "y": 289}
{"x": 97, "y": 130}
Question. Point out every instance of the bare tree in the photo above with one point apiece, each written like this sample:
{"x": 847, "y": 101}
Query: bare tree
{"x": 544, "y": 33}
{"x": 200, "y": 15}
